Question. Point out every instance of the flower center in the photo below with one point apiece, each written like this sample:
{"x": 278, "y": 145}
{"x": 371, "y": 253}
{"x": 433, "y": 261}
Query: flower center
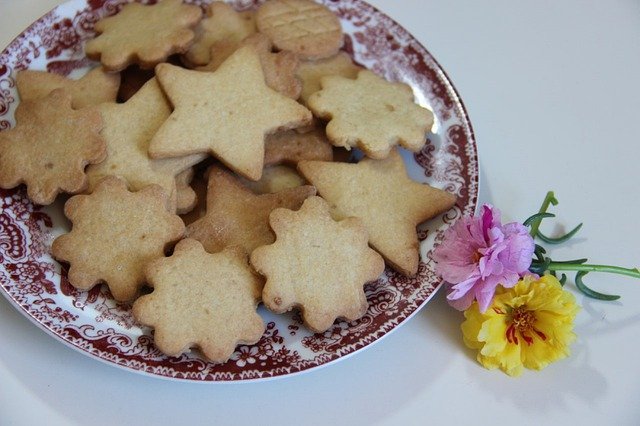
{"x": 476, "y": 256}
{"x": 522, "y": 323}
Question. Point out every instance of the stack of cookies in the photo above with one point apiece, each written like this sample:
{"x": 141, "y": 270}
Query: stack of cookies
{"x": 210, "y": 155}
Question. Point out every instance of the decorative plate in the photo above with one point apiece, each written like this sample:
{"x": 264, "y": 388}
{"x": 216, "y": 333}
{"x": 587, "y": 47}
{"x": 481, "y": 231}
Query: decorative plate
{"x": 94, "y": 324}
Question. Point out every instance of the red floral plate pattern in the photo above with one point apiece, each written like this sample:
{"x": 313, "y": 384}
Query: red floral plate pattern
{"x": 93, "y": 323}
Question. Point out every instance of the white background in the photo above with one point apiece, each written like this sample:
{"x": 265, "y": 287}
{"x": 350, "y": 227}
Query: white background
{"x": 552, "y": 90}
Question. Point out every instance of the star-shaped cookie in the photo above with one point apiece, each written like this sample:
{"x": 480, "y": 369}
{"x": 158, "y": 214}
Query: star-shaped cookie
{"x": 128, "y": 129}
{"x": 143, "y": 34}
{"x": 93, "y": 88}
{"x": 201, "y": 299}
{"x": 237, "y": 216}
{"x": 228, "y": 113}
{"x": 317, "y": 264}
{"x": 115, "y": 234}
{"x": 50, "y": 146}
{"x": 389, "y": 203}
{"x": 370, "y": 113}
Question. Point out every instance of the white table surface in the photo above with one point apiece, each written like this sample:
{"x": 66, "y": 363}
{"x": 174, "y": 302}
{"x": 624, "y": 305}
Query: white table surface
{"x": 552, "y": 90}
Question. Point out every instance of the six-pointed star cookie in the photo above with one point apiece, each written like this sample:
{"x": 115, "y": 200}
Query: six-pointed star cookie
{"x": 50, "y": 147}
{"x": 115, "y": 234}
{"x": 143, "y": 34}
{"x": 317, "y": 264}
{"x": 237, "y": 216}
{"x": 93, "y": 88}
{"x": 202, "y": 299}
{"x": 390, "y": 204}
{"x": 228, "y": 112}
{"x": 128, "y": 129}
{"x": 370, "y": 113}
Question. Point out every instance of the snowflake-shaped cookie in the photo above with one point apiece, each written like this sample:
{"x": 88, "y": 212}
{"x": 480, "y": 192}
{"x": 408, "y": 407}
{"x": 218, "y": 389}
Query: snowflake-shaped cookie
{"x": 317, "y": 264}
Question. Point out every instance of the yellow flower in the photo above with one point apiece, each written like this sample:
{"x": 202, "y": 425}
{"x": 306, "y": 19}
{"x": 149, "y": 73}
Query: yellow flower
{"x": 529, "y": 325}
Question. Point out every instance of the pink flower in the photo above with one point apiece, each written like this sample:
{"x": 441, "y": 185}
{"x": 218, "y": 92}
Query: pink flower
{"x": 479, "y": 253}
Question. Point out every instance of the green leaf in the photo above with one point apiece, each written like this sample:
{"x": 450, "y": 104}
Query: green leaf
{"x": 536, "y": 216}
{"x": 561, "y": 239}
{"x": 592, "y": 293}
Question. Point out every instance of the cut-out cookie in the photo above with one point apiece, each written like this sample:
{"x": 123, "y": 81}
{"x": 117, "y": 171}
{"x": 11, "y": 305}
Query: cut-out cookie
{"x": 279, "y": 68}
{"x": 50, "y": 146}
{"x": 237, "y": 216}
{"x": 290, "y": 147}
{"x": 371, "y": 113}
{"x": 201, "y": 299}
{"x": 311, "y": 72}
{"x": 223, "y": 29}
{"x": 95, "y": 87}
{"x": 304, "y": 27}
{"x": 143, "y": 34}
{"x": 228, "y": 113}
{"x": 389, "y": 203}
{"x": 317, "y": 264}
{"x": 128, "y": 129}
{"x": 115, "y": 233}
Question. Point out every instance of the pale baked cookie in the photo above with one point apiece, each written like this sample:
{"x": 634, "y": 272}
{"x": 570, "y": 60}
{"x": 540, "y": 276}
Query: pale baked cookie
{"x": 311, "y": 72}
{"x": 274, "y": 179}
{"x": 227, "y": 113}
{"x": 142, "y": 34}
{"x": 317, "y": 264}
{"x": 186, "y": 197}
{"x": 50, "y": 146}
{"x": 289, "y": 147}
{"x": 128, "y": 129}
{"x": 279, "y": 68}
{"x": 304, "y": 27}
{"x": 115, "y": 233}
{"x": 223, "y": 29}
{"x": 389, "y": 203}
{"x": 371, "y": 113}
{"x": 95, "y": 87}
{"x": 203, "y": 300}
{"x": 237, "y": 216}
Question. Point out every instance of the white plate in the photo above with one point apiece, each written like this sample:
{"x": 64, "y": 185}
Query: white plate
{"x": 94, "y": 324}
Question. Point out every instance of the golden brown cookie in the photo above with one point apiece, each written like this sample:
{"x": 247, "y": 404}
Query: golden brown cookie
{"x": 304, "y": 27}
{"x": 389, "y": 203}
{"x": 201, "y": 299}
{"x": 228, "y": 113}
{"x": 371, "y": 113}
{"x": 279, "y": 68}
{"x": 50, "y": 146}
{"x": 128, "y": 129}
{"x": 115, "y": 233}
{"x": 95, "y": 87}
{"x": 224, "y": 29}
{"x": 311, "y": 72}
{"x": 237, "y": 216}
{"x": 143, "y": 34}
{"x": 317, "y": 264}
{"x": 289, "y": 147}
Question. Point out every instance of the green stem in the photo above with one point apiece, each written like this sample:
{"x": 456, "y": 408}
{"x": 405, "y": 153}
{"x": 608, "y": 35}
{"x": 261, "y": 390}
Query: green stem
{"x": 549, "y": 199}
{"x": 561, "y": 266}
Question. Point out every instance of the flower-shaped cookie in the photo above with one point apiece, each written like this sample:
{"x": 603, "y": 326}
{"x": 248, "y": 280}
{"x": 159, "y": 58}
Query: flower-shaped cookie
{"x": 371, "y": 113}
{"x": 317, "y": 264}
{"x": 50, "y": 147}
{"x": 202, "y": 299}
{"x": 143, "y": 34}
{"x": 115, "y": 234}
